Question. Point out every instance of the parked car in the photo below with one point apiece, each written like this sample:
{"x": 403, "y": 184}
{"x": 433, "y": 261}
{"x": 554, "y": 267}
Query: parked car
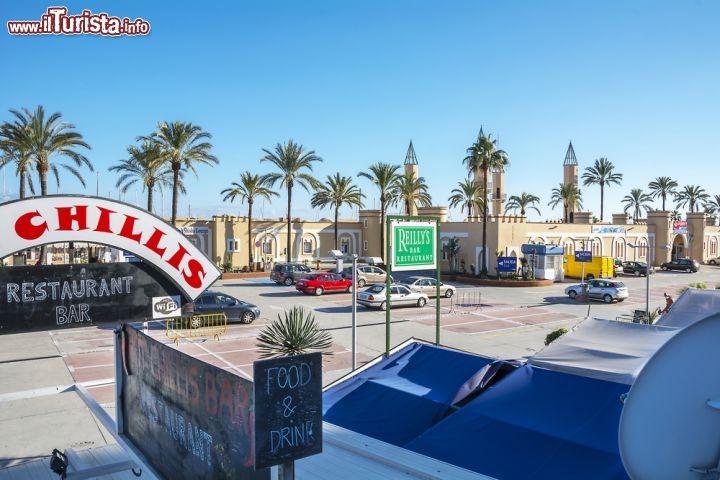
{"x": 210, "y": 302}
{"x": 714, "y": 261}
{"x": 637, "y": 268}
{"x": 319, "y": 283}
{"x": 367, "y": 275}
{"x": 428, "y": 286}
{"x": 605, "y": 290}
{"x": 618, "y": 264}
{"x": 400, "y": 295}
{"x": 684, "y": 264}
{"x": 289, "y": 273}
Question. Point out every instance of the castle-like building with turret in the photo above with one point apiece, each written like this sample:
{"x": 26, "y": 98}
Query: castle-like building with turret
{"x": 656, "y": 238}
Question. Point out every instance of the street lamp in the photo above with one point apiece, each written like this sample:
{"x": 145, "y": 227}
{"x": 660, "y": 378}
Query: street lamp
{"x": 648, "y": 269}
{"x": 582, "y": 273}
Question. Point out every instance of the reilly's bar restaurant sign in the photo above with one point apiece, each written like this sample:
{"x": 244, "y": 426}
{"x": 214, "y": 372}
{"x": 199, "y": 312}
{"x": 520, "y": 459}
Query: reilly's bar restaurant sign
{"x": 72, "y": 294}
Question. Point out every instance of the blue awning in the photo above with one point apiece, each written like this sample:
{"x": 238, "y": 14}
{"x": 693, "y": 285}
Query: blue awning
{"x": 401, "y": 397}
{"x": 534, "y": 423}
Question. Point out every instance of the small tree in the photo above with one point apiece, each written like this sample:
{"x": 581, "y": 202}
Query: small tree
{"x": 293, "y": 333}
{"x": 452, "y": 248}
{"x": 554, "y": 335}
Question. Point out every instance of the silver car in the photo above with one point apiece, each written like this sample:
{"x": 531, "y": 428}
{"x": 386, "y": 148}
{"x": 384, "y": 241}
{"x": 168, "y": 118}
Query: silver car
{"x": 605, "y": 290}
{"x": 428, "y": 286}
{"x": 400, "y": 295}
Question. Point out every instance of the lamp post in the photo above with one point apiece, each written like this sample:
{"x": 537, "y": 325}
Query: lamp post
{"x": 648, "y": 270}
{"x": 354, "y": 311}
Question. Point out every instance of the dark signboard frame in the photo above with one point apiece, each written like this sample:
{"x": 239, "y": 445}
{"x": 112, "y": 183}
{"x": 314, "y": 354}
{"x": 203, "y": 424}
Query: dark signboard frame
{"x": 507, "y": 264}
{"x": 49, "y": 297}
{"x": 190, "y": 419}
{"x": 584, "y": 256}
{"x": 288, "y": 408}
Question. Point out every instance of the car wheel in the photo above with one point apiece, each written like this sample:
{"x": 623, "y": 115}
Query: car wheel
{"x": 247, "y": 317}
{"x": 572, "y": 294}
{"x": 383, "y": 306}
{"x": 713, "y": 262}
{"x": 607, "y": 299}
{"x": 319, "y": 291}
{"x": 349, "y": 289}
{"x": 288, "y": 281}
{"x": 361, "y": 283}
{"x": 449, "y": 293}
{"x": 637, "y": 273}
{"x": 687, "y": 270}
{"x": 663, "y": 267}
{"x": 421, "y": 302}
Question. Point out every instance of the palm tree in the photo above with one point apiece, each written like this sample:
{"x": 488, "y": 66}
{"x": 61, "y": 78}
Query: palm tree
{"x": 712, "y": 206}
{"x": 601, "y": 173}
{"x": 336, "y": 192}
{"x": 145, "y": 164}
{"x": 15, "y": 149}
{"x": 569, "y": 195}
{"x": 49, "y": 138}
{"x": 675, "y": 216}
{"x": 384, "y": 176}
{"x": 251, "y": 186}
{"x": 452, "y": 249}
{"x": 467, "y": 195}
{"x": 292, "y": 160}
{"x": 293, "y": 334}
{"x": 636, "y": 201}
{"x": 523, "y": 202}
{"x": 662, "y": 187}
{"x": 184, "y": 145}
{"x": 412, "y": 191}
{"x": 692, "y": 196}
{"x": 484, "y": 156}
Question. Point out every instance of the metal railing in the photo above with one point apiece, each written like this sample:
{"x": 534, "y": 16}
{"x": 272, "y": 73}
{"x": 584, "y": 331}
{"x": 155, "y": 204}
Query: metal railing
{"x": 196, "y": 326}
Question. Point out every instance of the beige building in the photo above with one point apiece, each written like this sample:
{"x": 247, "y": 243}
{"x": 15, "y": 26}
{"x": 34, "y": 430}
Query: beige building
{"x": 656, "y": 238}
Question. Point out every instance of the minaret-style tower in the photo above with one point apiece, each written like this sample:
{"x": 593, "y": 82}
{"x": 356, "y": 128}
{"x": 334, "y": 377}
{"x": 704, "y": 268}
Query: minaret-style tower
{"x": 411, "y": 168}
{"x": 498, "y": 192}
{"x": 570, "y": 174}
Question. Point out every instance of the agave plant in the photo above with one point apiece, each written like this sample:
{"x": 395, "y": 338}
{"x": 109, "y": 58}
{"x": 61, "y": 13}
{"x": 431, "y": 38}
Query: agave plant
{"x": 293, "y": 333}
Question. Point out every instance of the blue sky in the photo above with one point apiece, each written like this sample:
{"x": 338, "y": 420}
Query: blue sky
{"x": 636, "y": 82}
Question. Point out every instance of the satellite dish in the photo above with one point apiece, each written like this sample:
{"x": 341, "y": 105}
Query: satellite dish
{"x": 670, "y": 423}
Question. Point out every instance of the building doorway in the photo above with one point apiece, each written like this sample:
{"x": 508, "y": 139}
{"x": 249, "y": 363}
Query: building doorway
{"x": 678, "y": 247}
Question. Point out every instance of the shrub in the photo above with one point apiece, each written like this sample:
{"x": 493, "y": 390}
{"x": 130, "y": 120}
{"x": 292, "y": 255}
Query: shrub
{"x": 554, "y": 335}
{"x": 292, "y": 334}
{"x": 227, "y": 267}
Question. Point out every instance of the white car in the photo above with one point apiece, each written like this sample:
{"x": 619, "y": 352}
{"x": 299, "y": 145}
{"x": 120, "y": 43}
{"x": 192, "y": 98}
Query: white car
{"x": 400, "y": 295}
{"x": 428, "y": 286}
{"x": 605, "y": 290}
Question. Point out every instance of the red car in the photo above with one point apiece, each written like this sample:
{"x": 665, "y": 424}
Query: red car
{"x": 319, "y": 283}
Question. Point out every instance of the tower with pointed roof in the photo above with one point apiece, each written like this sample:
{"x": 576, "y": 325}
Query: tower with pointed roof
{"x": 570, "y": 173}
{"x": 411, "y": 168}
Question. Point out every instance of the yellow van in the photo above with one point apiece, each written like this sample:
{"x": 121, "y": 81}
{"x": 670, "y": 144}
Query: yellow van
{"x": 599, "y": 267}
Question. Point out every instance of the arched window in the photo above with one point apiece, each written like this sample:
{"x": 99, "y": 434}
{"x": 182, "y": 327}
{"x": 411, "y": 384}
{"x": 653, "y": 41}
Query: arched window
{"x": 620, "y": 248}
{"x": 596, "y": 247}
{"x": 713, "y": 246}
{"x": 569, "y": 246}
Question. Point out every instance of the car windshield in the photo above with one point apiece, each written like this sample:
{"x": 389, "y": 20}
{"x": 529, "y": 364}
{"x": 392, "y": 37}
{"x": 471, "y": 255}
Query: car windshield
{"x": 641, "y": 264}
{"x": 376, "y": 289}
{"x": 312, "y": 277}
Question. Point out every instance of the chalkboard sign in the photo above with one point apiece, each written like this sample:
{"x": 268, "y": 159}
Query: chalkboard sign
{"x": 288, "y": 408}
{"x": 47, "y": 297}
{"x": 189, "y": 418}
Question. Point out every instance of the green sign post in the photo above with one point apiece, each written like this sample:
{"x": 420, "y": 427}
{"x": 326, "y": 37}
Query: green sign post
{"x": 413, "y": 243}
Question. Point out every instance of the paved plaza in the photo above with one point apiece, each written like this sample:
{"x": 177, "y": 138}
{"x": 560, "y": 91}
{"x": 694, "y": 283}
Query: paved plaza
{"x": 492, "y": 321}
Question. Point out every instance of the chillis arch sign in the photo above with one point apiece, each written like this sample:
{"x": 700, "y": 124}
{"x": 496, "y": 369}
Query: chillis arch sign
{"x": 39, "y": 221}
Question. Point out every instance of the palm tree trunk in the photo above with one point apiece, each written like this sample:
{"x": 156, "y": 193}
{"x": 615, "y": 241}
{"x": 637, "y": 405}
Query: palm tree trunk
{"x": 565, "y": 212}
{"x": 602, "y": 200}
{"x": 382, "y": 226}
{"x": 150, "y": 198}
{"x": 483, "y": 271}
{"x": 289, "y": 223}
{"x": 43, "y": 192}
{"x": 22, "y": 184}
{"x": 176, "y": 180}
{"x": 663, "y": 197}
{"x": 469, "y": 211}
{"x": 336, "y": 227}
{"x": 251, "y": 263}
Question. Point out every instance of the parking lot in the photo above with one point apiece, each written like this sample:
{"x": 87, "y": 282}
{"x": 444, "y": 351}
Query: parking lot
{"x": 492, "y": 321}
